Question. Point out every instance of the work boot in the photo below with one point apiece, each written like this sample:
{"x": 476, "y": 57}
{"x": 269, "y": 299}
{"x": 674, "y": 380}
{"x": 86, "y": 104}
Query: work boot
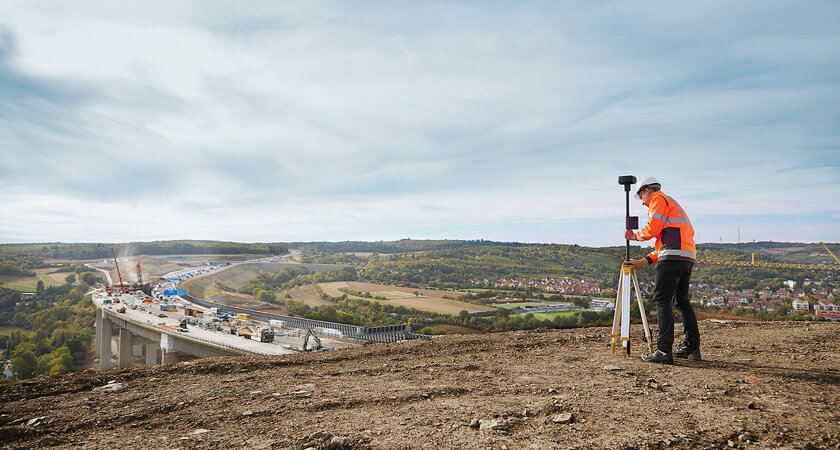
{"x": 658, "y": 357}
{"x": 687, "y": 352}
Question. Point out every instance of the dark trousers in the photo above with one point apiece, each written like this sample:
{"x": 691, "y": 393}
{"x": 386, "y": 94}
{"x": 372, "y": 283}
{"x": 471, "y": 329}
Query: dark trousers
{"x": 672, "y": 278}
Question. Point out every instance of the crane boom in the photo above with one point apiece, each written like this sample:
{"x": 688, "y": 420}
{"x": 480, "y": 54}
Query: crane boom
{"x": 118, "y": 269}
{"x": 830, "y": 253}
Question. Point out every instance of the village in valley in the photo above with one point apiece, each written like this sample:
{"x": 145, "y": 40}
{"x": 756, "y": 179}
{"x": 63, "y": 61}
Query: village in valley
{"x": 814, "y": 298}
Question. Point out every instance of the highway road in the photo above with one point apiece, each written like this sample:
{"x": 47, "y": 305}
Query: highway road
{"x": 107, "y": 274}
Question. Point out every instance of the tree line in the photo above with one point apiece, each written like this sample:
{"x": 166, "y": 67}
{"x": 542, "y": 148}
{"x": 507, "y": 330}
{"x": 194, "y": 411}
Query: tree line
{"x": 102, "y": 250}
{"x": 54, "y": 329}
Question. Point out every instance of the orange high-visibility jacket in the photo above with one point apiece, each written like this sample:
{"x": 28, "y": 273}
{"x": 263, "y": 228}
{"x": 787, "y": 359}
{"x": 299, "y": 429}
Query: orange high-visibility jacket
{"x": 669, "y": 224}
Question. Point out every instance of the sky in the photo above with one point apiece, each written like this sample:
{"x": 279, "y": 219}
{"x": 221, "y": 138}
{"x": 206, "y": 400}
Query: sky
{"x": 280, "y": 121}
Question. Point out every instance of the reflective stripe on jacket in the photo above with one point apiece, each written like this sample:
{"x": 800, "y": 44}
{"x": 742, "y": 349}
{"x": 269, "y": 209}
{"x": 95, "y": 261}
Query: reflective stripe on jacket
{"x": 670, "y": 225}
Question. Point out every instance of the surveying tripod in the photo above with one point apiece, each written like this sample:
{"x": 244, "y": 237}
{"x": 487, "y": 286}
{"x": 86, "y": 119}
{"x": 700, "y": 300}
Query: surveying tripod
{"x": 626, "y": 280}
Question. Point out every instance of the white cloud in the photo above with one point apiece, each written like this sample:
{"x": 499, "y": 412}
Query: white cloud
{"x": 332, "y": 120}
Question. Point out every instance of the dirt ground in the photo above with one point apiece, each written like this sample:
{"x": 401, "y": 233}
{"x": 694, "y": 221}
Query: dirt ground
{"x": 761, "y": 385}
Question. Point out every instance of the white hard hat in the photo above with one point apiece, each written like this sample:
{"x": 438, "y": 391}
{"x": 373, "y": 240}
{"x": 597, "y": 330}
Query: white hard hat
{"x": 646, "y": 182}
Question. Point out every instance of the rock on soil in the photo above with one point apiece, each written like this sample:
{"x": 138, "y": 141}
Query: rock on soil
{"x": 761, "y": 384}
{"x": 564, "y": 418}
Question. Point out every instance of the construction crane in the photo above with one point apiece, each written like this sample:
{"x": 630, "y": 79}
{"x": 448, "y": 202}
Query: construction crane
{"x": 773, "y": 265}
{"x": 830, "y": 253}
{"x": 122, "y": 288}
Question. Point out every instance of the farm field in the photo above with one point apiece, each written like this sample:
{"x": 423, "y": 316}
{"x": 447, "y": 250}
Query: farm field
{"x": 552, "y": 315}
{"x": 452, "y": 329}
{"x": 307, "y": 294}
{"x": 516, "y": 305}
{"x": 427, "y": 300}
{"x": 18, "y": 283}
{"x": 28, "y": 284}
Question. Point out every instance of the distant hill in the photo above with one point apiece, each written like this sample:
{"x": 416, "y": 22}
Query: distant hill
{"x": 58, "y": 250}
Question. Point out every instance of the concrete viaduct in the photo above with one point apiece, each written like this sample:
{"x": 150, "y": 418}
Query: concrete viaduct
{"x": 157, "y": 346}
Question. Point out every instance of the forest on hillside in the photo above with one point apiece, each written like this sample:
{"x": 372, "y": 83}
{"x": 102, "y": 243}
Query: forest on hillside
{"x": 457, "y": 266}
{"x": 101, "y": 250}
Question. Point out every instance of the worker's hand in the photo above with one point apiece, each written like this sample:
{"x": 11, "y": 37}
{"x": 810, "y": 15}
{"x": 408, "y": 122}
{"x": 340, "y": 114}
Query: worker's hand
{"x": 629, "y": 235}
{"x": 637, "y": 262}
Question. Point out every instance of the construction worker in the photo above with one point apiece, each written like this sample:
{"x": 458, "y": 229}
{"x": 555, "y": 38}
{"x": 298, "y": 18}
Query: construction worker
{"x": 674, "y": 255}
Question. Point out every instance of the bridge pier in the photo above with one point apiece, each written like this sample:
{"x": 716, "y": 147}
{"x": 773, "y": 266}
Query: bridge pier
{"x": 168, "y": 353}
{"x": 98, "y": 332}
{"x": 139, "y": 344}
{"x": 169, "y": 356}
{"x": 125, "y": 349}
{"x": 152, "y": 350}
{"x": 104, "y": 333}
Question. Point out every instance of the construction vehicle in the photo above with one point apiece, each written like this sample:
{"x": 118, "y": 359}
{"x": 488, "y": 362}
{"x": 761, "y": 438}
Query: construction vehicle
{"x": 121, "y": 310}
{"x": 246, "y": 332}
{"x": 183, "y": 326}
{"x": 243, "y": 316}
{"x": 317, "y": 345}
{"x": 265, "y": 334}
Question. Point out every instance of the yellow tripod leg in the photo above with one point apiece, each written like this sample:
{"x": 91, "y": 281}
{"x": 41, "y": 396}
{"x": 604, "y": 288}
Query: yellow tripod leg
{"x": 616, "y": 316}
{"x": 626, "y": 273}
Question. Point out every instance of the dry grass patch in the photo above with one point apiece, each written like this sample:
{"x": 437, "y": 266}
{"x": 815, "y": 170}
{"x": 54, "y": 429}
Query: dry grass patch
{"x": 452, "y": 329}
{"x": 425, "y": 300}
{"x": 52, "y": 278}
{"x": 29, "y": 284}
{"x": 307, "y": 294}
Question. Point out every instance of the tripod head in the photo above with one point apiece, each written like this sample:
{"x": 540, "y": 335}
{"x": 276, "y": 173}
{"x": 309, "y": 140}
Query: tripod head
{"x": 630, "y": 222}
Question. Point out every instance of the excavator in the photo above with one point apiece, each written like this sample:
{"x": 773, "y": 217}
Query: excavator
{"x": 317, "y": 346}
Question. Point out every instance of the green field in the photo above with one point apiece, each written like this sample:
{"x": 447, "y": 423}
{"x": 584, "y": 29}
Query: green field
{"x": 552, "y": 315}
{"x": 545, "y": 315}
{"x": 28, "y": 284}
{"x": 524, "y": 304}
{"x": 19, "y": 283}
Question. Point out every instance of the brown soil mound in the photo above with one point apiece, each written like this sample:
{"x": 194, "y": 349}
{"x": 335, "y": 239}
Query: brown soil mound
{"x": 761, "y": 384}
